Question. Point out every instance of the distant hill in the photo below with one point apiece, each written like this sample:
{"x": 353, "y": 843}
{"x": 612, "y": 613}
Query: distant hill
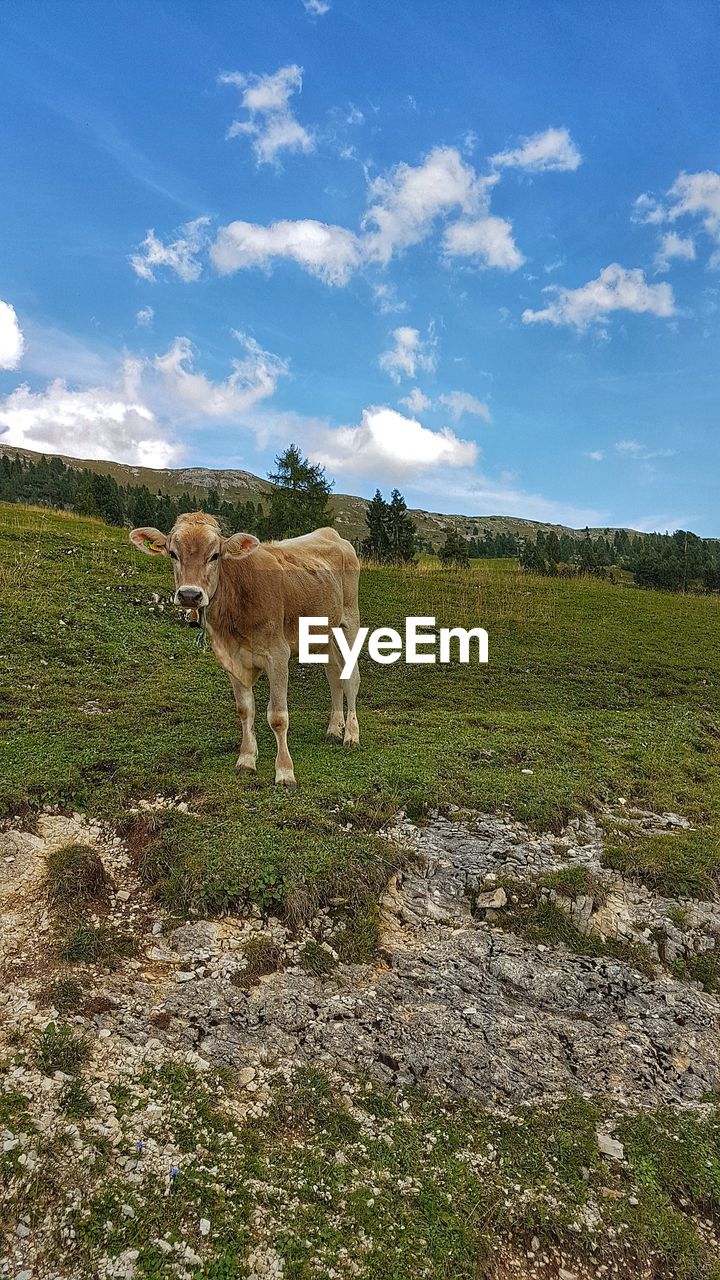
{"x": 349, "y": 510}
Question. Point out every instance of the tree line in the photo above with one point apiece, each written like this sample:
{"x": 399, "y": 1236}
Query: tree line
{"x": 679, "y": 561}
{"x": 49, "y": 482}
{"x": 298, "y": 503}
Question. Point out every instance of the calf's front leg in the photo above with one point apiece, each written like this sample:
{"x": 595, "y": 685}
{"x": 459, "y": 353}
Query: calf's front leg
{"x": 278, "y": 718}
{"x": 245, "y": 703}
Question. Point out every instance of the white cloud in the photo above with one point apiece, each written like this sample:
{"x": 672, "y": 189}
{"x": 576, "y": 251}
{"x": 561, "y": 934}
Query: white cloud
{"x": 647, "y": 209}
{"x": 145, "y": 317}
{"x": 550, "y": 151}
{"x": 134, "y": 414}
{"x": 406, "y": 202}
{"x": 100, "y": 422}
{"x": 480, "y": 494}
{"x": 270, "y": 124}
{"x": 387, "y": 444}
{"x": 460, "y": 402}
{"x": 641, "y": 452}
{"x": 694, "y": 195}
{"x": 698, "y": 194}
{"x": 595, "y": 455}
{"x": 615, "y": 289}
{"x": 253, "y": 378}
{"x": 329, "y": 252}
{"x": 488, "y": 240}
{"x": 416, "y": 401}
{"x": 12, "y": 342}
{"x": 673, "y": 246}
{"x": 404, "y": 206}
{"x": 316, "y": 8}
{"x": 180, "y": 255}
{"x": 386, "y": 299}
{"x": 409, "y": 353}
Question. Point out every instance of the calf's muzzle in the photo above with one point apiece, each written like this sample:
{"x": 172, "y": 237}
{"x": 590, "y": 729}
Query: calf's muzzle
{"x": 191, "y": 597}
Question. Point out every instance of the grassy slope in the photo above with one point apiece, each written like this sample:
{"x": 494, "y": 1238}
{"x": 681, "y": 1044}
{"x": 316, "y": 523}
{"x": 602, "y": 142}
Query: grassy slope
{"x": 601, "y": 691}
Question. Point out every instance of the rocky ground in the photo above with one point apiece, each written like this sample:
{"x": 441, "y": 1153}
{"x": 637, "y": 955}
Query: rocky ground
{"x": 464, "y": 1000}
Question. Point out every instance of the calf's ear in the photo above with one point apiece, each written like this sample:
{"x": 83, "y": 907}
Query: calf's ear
{"x": 151, "y": 541}
{"x": 240, "y": 544}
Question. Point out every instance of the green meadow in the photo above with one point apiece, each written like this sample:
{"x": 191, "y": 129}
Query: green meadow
{"x": 593, "y": 692}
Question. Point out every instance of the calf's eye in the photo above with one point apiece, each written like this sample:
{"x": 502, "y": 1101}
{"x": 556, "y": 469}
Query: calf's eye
{"x": 173, "y": 555}
{"x": 215, "y": 555}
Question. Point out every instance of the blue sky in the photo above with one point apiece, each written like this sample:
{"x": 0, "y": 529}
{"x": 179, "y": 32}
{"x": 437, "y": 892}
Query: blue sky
{"x": 471, "y": 251}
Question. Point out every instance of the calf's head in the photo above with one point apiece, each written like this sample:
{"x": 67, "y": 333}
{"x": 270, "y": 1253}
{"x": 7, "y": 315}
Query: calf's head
{"x": 196, "y": 548}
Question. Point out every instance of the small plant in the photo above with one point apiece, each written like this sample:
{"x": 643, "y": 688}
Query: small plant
{"x": 702, "y": 967}
{"x": 97, "y": 944}
{"x": 545, "y": 921}
{"x": 262, "y": 956}
{"x": 76, "y": 1102}
{"x": 570, "y": 881}
{"x": 357, "y": 941}
{"x": 268, "y": 890}
{"x": 14, "y": 1113}
{"x": 66, "y": 995}
{"x": 57, "y": 1049}
{"x": 75, "y": 876}
{"x": 316, "y": 960}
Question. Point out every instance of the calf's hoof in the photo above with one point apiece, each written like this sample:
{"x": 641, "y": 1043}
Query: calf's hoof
{"x": 285, "y": 778}
{"x": 351, "y": 741}
{"x": 246, "y": 764}
{"x": 335, "y": 738}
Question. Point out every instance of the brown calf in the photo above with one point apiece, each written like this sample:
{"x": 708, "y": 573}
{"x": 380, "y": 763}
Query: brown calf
{"x": 254, "y": 594}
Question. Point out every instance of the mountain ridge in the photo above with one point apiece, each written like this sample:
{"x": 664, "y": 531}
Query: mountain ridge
{"x": 238, "y": 485}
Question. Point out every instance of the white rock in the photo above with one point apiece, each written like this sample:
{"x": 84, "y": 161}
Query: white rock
{"x": 498, "y": 898}
{"x": 204, "y": 1226}
{"x": 610, "y": 1147}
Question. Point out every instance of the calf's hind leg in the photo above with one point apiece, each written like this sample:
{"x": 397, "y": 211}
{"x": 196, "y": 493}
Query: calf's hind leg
{"x": 350, "y": 688}
{"x": 332, "y": 671}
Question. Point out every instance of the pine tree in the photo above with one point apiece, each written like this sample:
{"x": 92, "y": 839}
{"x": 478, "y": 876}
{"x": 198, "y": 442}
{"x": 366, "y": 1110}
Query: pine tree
{"x": 299, "y": 500}
{"x": 455, "y": 550}
{"x": 402, "y": 530}
{"x": 85, "y": 500}
{"x": 377, "y": 543}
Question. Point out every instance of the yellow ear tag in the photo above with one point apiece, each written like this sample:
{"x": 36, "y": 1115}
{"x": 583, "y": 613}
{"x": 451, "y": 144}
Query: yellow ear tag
{"x": 151, "y": 546}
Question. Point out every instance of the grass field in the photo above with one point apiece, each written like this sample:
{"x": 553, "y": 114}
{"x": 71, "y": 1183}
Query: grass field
{"x": 593, "y": 693}
{"x": 603, "y": 692}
